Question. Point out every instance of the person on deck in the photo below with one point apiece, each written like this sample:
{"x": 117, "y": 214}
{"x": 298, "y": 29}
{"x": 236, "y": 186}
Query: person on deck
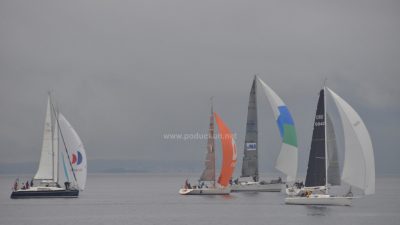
{"x": 16, "y": 185}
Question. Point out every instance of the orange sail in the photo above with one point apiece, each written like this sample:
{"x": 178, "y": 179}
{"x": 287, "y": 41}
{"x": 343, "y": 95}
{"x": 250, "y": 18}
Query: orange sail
{"x": 228, "y": 152}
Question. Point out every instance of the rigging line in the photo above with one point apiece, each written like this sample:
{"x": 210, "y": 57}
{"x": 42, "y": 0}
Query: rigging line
{"x": 62, "y": 137}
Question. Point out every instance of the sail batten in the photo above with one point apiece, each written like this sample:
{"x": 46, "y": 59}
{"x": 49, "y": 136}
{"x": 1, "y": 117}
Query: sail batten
{"x": 250, "y": 158}
{"x": 359, "y": 164}
{"x": 288, "y": 156}
{"x": 229, "y": 154}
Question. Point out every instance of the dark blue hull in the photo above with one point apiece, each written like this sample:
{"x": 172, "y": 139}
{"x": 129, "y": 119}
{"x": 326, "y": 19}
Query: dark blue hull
{"x": 45, "y": 194}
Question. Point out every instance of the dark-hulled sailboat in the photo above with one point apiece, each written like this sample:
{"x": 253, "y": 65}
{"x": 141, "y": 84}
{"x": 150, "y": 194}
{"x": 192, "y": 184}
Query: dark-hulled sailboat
{"x": 47, "y": 182}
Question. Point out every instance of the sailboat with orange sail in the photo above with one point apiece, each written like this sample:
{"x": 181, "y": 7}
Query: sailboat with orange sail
{"x": 207, "y": 182}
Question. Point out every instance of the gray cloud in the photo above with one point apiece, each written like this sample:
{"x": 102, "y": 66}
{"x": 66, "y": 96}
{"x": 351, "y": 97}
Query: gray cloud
{"x": 126, "y": 72}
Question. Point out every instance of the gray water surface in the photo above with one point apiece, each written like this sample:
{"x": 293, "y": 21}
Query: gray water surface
{"x": 147, "y": 198}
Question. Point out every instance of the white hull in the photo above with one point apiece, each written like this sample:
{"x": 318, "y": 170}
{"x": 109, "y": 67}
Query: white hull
{"x": 295, "y": 191}
{"x": 319, "y": 200}
{"x": 256, "y": 187}
{"x": 205, "y": 191}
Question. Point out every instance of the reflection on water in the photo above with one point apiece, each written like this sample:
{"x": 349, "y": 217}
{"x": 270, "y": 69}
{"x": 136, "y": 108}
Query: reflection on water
{"x": 250, "y": 193}
{"x": 313, "y": 210}
{"x": 228, "y": 197}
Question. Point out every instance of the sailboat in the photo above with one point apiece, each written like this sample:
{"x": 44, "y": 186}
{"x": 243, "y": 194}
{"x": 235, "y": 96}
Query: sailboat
{"x": 47, "y": 181}
{"x": 323, "y": 167}
{"x": 287, "y": 159}
{"x": 220, "y": 187}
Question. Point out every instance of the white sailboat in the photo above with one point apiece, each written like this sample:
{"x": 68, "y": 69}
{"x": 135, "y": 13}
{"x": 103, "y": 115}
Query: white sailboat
{"x": 220, "y": 187}
{"x": 359, "y": 166}
{"x": 47, "y": 181}
{"x": 287, "y": 159}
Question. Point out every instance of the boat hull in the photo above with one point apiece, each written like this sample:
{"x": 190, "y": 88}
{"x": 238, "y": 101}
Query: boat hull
{"x": 319, "y": 200}
{"x": 45, "y": 194}
{"x": 205, "y": 191}
{"x": 257, "y": 187}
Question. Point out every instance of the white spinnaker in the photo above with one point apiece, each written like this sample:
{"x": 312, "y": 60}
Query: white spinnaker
{"x": 55, "y": 151}
{"x": 274, "y": 100}
{"x": 45, "y": 170}
{"x": 75, "y": 150}
{"x": 288, "y": 156}
{"x": 359, "y": 163}
{"x": 287, "y": 162}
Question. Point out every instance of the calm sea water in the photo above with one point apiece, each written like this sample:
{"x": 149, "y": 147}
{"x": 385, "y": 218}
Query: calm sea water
{"x": 143, "y": 199}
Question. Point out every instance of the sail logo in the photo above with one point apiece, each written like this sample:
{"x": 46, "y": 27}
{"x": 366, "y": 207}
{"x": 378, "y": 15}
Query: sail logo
{"x": 251, "y": 146}
{"x": 77, "y": 158}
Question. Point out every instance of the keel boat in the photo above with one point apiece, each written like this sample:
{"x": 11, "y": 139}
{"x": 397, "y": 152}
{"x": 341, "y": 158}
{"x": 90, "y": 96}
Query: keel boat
{"x": 48, "y": 181}
{"x": 207, "y": 182}
{"x": 287, "y": 159}
{"x": 323, "y": 167}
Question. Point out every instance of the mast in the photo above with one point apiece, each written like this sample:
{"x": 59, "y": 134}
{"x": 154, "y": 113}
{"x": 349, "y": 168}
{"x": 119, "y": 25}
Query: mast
{"x": 52, "y": 140}
{"x": 212, "y": 138}
{"x": 209, "y": 170}
{"x": 326, "y": 146}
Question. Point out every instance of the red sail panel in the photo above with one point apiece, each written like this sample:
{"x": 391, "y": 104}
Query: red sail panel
{"x": 228, "y": 152}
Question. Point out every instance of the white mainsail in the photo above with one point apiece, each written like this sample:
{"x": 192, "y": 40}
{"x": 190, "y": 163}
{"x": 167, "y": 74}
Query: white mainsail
{"x": 76, "y": 150}
{"x": 287, "y": 159}
{"x": 359, "y": 164}
{"x": 46, "y": 164}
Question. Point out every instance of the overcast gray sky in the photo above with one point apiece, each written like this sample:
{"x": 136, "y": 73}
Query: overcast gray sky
{"x": 126, "y": 72}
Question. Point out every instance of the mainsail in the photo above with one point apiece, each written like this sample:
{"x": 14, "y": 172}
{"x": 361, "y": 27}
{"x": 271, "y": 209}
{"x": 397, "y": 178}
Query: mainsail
{"x": 359, "y": 164}
{"x": 333, "y": 162}
{"x": 250, "y": 159}
{"x": 316, "y": 172}
{"x": 287, "y": 159}
{"x": 228, "y": 152}
{"x": 46, "y": 164}
{"x": 209, "y": 170}
{"x": 76, "y": 150}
